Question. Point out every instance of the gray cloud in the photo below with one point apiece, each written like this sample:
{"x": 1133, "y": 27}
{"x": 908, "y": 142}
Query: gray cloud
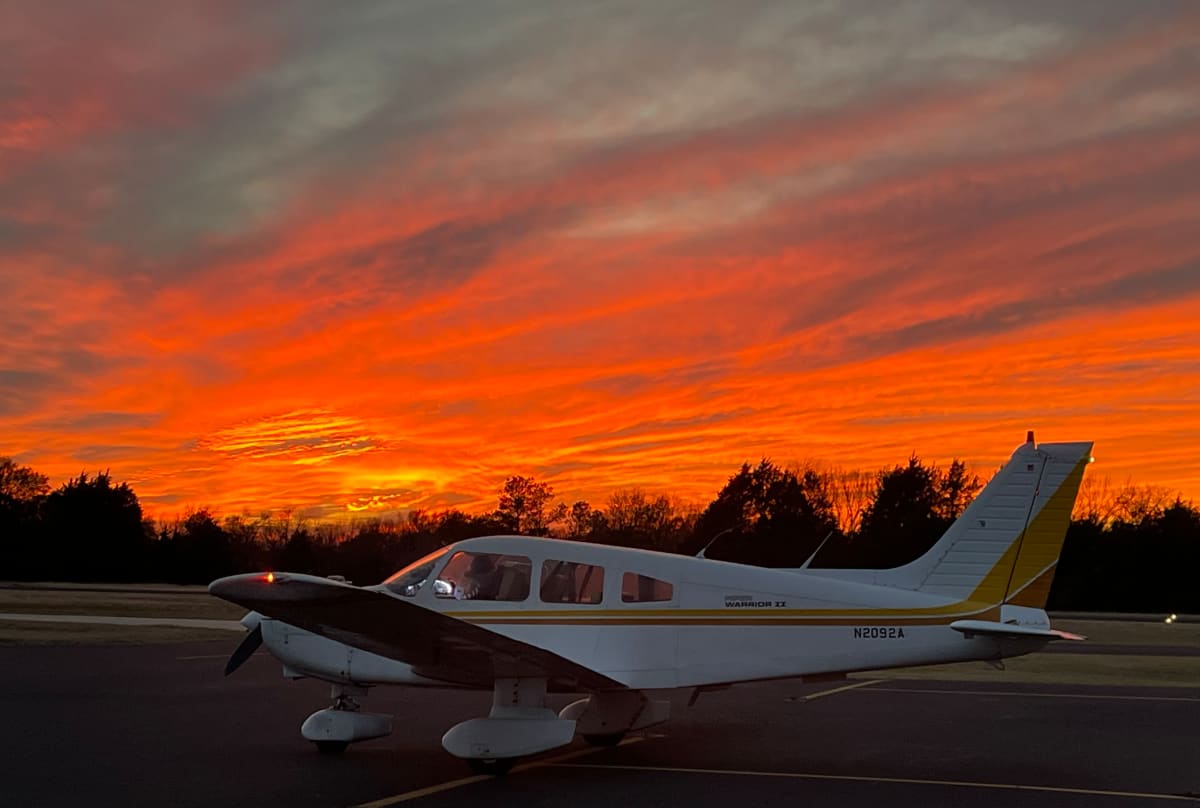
{"x": 51, "y": 370}
{"x": 665, "y": 425}
{"x": 97, "y": 421}
{"x": 346, "y": 88}
{"x": 1123, "y": 293}
{"x": 103, "y": 454}
{"x": 650, "y": 445}
{"x": 452, "y": 251}
{"x": 20, "y": 390}
{"x": 17, "y": 236}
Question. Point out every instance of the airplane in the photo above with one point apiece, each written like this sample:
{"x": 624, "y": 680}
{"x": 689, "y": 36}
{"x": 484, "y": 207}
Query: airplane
{"x": 628, "y": 627}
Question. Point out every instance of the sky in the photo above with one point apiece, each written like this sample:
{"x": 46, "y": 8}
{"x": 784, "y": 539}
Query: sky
{"x": 347, "y": 259}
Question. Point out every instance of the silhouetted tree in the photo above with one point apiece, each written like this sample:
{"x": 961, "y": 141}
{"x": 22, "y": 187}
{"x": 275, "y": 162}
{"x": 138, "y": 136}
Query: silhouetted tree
{"x": 22, "y": 491}
{"x": 1128, "y": 548}
{"x": 247, "y": 550}
{"x": 1095, "y": 502}
{"x": 579, "y": 520}
{"x": 1103, "y": 502}
{"x": 201, "y": 550}
{"x": 525, "y": 507}
{"x": 96, "y": 528}
{"x": 956, "y": 488}
{"x": 900, "y": 524}
{"x": 635, "y": 519}
{"x": 851, "y": 492}
{"x": 770, "y": 517}
{"x": 376, "y": 551}
{"x": 1145, "y": 563}
{"x": 299, "y": 554}
{"x": 21, "y": 483}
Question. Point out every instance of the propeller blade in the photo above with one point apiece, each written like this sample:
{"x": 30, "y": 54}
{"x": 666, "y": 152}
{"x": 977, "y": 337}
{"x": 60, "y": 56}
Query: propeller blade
{"x": 245, "y": 650}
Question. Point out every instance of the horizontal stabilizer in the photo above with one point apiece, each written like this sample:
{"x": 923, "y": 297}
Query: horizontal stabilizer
{"x": 1010, "y": 630}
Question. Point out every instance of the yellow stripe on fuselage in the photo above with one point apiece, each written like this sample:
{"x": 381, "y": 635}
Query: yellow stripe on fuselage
{"x": 668, "y": 618}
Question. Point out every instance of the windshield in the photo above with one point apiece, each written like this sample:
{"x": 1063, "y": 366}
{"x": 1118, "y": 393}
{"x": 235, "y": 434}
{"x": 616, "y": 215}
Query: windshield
{"x": 408, "y": 581}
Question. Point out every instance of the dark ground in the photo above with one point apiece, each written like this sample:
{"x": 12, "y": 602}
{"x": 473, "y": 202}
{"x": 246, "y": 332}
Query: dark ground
{"x": 159, "y": 725}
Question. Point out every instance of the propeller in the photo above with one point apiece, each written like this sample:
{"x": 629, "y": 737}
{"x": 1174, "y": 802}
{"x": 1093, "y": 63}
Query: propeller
{"x": 249, "y": 644}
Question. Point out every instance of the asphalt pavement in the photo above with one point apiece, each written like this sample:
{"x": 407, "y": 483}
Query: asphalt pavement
{"x": 160, "y": 725}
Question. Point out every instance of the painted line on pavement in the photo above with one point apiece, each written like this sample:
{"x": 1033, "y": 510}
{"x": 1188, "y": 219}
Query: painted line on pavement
{"x": 113, "y": 620}
{"x": 823, "y": 693}
{"x": 466, "y": 781}
{"x": 1034, "y": 694}
{"x": 560, "y": 760}
{"x": 1093, "y": 792}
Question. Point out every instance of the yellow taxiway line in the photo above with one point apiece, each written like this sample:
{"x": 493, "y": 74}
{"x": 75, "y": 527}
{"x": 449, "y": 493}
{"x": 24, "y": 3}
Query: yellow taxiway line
{"x": 1094, "y": 792}
{"x": 823, "y": 693}
{"x": 557, "y": 760}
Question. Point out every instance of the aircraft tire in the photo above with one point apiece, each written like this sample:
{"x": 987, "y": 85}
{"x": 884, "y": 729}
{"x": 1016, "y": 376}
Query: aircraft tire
{"x": 331, "y": 747}
{"x": 496, "y": 767}
{"x": 604, "y": 739}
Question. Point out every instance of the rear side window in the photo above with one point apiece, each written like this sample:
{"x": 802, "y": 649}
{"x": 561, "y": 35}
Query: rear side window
{"x": 570, "y": 582}
{"x": 644, "y": 589}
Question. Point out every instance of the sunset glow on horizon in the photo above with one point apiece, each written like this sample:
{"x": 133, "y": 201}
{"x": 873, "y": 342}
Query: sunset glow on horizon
{"x": 364, "y": 259}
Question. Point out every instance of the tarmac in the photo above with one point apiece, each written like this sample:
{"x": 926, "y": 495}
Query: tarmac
{"x": 160, "y": 725}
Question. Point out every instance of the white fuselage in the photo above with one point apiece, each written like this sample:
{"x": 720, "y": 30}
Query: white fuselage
{"x": 723, "y": 623}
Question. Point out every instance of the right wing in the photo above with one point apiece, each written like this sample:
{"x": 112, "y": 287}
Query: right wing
{"x": 435, "y": 645}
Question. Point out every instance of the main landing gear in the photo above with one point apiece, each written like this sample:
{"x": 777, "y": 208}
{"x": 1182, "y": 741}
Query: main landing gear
{"x": 518, "y": 725}
{"x": 604, "y": 719}
{"x": 336, "y": 727}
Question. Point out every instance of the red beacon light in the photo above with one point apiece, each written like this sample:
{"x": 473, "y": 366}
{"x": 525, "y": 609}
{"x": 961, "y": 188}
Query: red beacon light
{"x": 269, "y": 577}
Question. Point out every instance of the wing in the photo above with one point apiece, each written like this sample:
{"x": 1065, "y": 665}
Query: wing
{"x": 435, "y": 645}
{"x": 1010, "y": 631}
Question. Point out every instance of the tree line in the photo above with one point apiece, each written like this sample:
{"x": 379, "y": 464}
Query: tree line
{"x": 1128, "y": 548}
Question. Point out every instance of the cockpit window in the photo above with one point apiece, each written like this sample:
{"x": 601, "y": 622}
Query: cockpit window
{"x": 408, "y": 581}
{"x": 484, "y": 576}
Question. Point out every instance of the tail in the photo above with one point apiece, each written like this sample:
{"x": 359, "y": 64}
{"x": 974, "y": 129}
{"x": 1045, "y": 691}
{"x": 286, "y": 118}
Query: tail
{"x": 1005, "y": 546}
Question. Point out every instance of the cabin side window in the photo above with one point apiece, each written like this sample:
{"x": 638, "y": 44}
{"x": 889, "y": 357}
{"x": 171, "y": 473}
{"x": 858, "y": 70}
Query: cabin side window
{"x": 571, "y": 582}
{"x": 484, "y": 576}
{"x": 644, "y": 589}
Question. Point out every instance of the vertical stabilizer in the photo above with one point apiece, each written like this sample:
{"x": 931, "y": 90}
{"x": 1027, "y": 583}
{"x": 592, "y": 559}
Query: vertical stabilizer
{"x": 1008, "y": 540}
{"x": 1004, "y": 547}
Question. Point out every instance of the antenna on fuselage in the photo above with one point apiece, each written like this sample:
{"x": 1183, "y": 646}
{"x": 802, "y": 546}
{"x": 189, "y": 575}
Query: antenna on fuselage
{"x": 828, "y": 536}
{"x": 704, "y": 549}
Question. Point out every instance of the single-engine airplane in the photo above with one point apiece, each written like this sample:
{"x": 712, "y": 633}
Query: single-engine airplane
{"x": 627, "y": 626}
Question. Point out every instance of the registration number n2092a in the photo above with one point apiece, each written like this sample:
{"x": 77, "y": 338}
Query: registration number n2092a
{"x": 879, "y": 633}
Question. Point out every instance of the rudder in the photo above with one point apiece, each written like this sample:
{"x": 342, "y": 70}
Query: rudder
{"x": 1041, "y": 542}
